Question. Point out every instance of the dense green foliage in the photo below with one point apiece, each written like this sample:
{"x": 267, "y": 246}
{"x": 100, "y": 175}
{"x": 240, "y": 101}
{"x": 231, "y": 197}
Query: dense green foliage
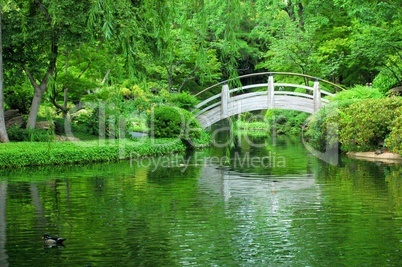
{"x": 280, "y": 121}
{"x": 394, "y": 139}
{"x": 366, "y": 124}
{"x": 188, "y": 45}
{"x": 173, "y": 122}
{"x": 356, "y": 93}
{"x": 52, "y": 153}
{"x": 357, "y": 125}
{"x": 105, "y": 64}
{"x": 184, "y": 100}
{"x": 286, "y": 121}
{"x": 31, "y": 135}
{"x": 324, "y": 126}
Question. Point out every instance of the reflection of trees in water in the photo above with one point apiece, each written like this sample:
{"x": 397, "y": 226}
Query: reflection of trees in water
{"x": 37, "y": 203}
{"x": 3, "y": 224}
{"x": 394, "y": 184}
{"x": 363, "y": 193}
{"x": 263, "y": 209}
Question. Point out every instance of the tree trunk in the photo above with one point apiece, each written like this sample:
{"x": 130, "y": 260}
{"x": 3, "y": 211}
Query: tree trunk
{"x": 40, "y": 88}
{"x": 3, "y": 131}
{"x": 33, "y": 111}
{"x": 65, "y": 103}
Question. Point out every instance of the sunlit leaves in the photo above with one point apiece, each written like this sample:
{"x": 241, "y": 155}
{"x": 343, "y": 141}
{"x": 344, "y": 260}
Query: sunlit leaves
{"x": 366, "y": 124}
{"x": 394, "y": 139}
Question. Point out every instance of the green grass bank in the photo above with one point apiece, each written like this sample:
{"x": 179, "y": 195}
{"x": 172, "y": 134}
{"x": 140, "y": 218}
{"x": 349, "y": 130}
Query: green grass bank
{"x": 56, "y": 153}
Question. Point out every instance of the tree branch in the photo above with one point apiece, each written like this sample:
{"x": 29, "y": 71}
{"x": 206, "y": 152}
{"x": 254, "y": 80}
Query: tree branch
{"x": 189, "y": 77}
{"x": 53, "y": 59}
{"x": 84, "y": 70}
{"x": 30, "y": 77}
{"x": 42, "y": 7}
{"x": 54, "y": 101}
{"x": 106, "y": 76}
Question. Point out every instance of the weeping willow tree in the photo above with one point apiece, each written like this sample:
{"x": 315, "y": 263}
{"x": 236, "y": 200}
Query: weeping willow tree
{"x": 183, "y": 43}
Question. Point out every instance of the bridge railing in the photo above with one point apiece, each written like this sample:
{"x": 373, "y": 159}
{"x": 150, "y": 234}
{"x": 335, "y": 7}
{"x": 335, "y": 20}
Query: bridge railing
{"x": 269, "y": 88}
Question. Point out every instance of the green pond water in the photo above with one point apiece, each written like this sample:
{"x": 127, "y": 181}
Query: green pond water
{"x": 263, "y": 202}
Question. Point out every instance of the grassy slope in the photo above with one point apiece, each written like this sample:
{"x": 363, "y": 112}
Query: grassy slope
{"x": 50, "y": 153}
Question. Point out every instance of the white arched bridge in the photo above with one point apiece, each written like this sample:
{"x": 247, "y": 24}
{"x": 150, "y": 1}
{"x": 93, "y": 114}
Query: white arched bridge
{"x": 307, "y": 97}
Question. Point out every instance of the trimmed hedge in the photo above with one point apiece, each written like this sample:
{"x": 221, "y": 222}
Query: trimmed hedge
{"x": 174, "y": 122}
{"x": 52, "y": 153}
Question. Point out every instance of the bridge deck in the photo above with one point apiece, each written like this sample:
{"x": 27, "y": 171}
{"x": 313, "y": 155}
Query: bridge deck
{"x": 238, "y": 100}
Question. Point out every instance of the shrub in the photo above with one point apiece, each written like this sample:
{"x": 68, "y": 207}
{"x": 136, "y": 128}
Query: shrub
{"x": 394, "y": 139}
{"x": 59, "y": 126}
{"x": 87, "y": 121}
{"x": 323, "y": 127}
{"x": 137, "y": 122}
{"x": 385, "y": 80}
{"x": 356, "y": 93}
{"x": 18, "y": 97}
{"x": 174, "y": 122}
{"x": 111, "y": 121}
{"x": 366, "y": 124}
{"x": 286, "y": 121}
{"x": 30, "y": 135}
{"x": 184, "y": 100}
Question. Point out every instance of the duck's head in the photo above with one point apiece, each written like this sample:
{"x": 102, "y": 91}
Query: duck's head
{"x": 46, "y": 236}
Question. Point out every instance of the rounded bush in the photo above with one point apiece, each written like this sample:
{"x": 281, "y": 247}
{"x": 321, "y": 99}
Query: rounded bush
{"x": 174, "y": 122}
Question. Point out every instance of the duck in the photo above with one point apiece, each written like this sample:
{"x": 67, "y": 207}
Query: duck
{"x": 53, "y": 240}
{"x": 378, "y": 152}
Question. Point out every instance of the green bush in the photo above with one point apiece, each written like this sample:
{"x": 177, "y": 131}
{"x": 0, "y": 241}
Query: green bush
{"x": 323, "y": 127}
{"x": 137, "y": 123}
{"x": 184, "y": 100}
{"x": 385, "y": 80}
{"x": 30, "y": 135}
{"x": 111, "y": 121}
{"x": 394, "y": 139}
{"x": 286, "y": 121}
{"x": 316, "y": 130}
{"x": 364, "y": 125}
{"x": 18, "y": 97}
{"x": 174, "y": 122}
{"x": 356, "y": 93}
{"x": 87, "y": 121}
{"x": 253, "y": 126}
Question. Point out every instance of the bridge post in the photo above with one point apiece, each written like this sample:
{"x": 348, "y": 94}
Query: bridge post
{"x": 271, "y": 92}
{"x": 317, "y": 95}
{"x": 224, "y": 101}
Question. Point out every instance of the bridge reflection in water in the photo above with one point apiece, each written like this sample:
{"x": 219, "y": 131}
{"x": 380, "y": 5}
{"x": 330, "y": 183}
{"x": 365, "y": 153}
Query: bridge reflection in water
{"x": 266, "y": 209}
{"x": 232, "y": 184}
